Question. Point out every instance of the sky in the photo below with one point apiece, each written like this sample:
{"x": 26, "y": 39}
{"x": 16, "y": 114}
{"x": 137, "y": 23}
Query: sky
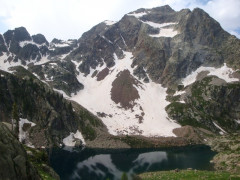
{"x": 68, "y": 19}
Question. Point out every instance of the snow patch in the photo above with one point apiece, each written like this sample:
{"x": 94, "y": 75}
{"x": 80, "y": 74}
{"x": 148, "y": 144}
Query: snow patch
{"x": 164, "y": 31}
{"x": 237, "y": 121}
{"x": 137, "y": 15}
{"x": 79, "y": 135}
{"x": 62, "y": 92}
{"x": 71, "y": 139}
{"x": 61, "y": 45}
{"x": 24, "y": 43}
{"x": 222, "y": 131}
{"x": 177, "y": 93}
{"x": 43, "y": 60}
{"x": 5, "y": 64}
{"x": 23, "y": 135}
{"x": 169, "y": 32}
{"x": 107, "y": 40}
{"x": 223, "y": 73}
{"x": 123, "y": 40}
{"x": 109, "y": 23}
{"x": 183, "y": 102}
{"x": 157, "y": 25}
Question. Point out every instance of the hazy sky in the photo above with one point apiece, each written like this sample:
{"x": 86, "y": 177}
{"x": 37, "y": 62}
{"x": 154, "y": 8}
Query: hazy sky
{"x": 68, "y": 19}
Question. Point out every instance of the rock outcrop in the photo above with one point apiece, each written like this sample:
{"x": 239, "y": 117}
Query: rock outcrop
{"x": 14, "y": 163}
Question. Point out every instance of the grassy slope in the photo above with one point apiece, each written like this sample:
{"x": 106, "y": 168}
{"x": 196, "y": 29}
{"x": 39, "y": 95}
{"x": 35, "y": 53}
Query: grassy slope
{"x": 188, "y": 174}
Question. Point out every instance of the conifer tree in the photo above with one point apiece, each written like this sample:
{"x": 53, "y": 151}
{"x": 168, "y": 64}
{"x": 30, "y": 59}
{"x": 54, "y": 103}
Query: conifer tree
{"x": 15, "y": 118}
{"x": 124, "y": 176}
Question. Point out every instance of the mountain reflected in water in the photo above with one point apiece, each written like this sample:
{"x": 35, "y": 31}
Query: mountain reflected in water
{"x": 102, "y": 164}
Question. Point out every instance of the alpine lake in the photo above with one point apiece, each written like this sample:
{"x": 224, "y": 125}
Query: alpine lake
{"x": 103, "y": 164}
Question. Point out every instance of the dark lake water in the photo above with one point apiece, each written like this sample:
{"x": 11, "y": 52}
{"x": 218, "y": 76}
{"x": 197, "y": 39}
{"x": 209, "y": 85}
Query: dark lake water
{"x": 91, "y": 164}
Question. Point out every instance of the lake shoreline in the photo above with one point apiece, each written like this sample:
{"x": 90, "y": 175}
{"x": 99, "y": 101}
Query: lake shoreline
{"x": 169, "y": 148}
{"x": 186, "y": 135}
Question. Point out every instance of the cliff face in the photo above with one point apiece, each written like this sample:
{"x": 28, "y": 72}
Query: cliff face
{"x": 13, "y": 161}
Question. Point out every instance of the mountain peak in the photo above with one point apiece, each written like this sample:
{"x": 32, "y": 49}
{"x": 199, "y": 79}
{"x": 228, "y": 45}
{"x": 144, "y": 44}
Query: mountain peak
{"x": 18, "y": 34}
{"x": 164, "y": 9}
{"x": 39, "y": 39}
{"x": 157, "y": 10}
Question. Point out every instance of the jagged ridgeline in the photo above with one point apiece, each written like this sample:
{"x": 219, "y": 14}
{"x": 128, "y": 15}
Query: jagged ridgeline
{"x": 148, "y": 74}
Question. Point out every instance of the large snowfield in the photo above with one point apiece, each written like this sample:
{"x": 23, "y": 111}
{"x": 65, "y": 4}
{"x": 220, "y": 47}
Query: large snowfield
{"x": 96, "y": 97}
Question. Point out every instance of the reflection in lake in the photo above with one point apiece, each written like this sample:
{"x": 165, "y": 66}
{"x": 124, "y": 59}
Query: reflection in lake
{"x": 102, "y": 164}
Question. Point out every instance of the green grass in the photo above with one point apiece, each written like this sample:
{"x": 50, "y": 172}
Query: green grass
{"x": 89, "y": 132}
{"x": 188, "y": 175}
{"x": 45, "y": 176}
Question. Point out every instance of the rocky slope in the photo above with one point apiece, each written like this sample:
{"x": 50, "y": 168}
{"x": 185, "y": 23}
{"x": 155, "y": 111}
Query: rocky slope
{"x": 53, "y": 117}
{"x": 13, "y": 161}
{"x": 228, "y": 157}
{"x": 147, "y": 74}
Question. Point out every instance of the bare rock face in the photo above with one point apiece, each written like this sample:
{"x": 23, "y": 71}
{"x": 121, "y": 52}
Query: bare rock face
{"x": 123, "y": 90}
{"x": 13, "y": 160}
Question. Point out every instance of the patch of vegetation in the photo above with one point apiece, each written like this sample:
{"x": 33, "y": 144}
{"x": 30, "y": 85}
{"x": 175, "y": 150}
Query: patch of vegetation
{"x": 199, "y": 86}
{"x": 170, "y": 91}
{"x": 124, "y": 176}
{"x": 88, "y": 131}
{"x": 22, "y": 72}
{"x": 39, "y": 159}
{"x": 198, "y": 90}
{"x": 208, "y": 103}
{"x": 177, "y": 107}
{"x": 88, "y": 124}
{"x": 135, "y": 142}
{"x": 173, "y": 98}
{"x": 180, "y": 112}
{"x": 85, "y": 115}
{"x": 188, "y": 174}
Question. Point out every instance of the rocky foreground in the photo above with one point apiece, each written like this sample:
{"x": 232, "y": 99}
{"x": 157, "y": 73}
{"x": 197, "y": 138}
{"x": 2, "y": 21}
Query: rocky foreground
{"x": 19, "y": 162}
{"x": 228, "y": 148}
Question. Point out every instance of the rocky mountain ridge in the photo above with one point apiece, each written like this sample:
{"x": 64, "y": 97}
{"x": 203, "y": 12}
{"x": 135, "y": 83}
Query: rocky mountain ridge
{"x": 147, "y": 74}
